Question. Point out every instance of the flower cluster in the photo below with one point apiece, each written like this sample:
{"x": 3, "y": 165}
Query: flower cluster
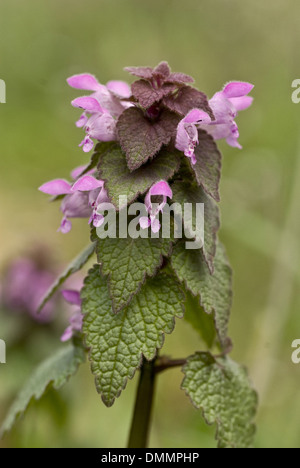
{"x": 160, "y": 109}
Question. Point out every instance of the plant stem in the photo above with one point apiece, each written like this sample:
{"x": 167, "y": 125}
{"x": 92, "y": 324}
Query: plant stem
{"x": 140, "y": 425}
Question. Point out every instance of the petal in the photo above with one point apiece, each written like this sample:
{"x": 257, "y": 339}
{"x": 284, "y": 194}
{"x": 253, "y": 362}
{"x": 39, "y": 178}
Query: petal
{"x": 67, "y": 335}
{"x": 155, "y": 225}
{"x": 65, "y": 226}
{"x": 76, "y": 321}
{"x": 76, "y": 205}
{"x": 87, "y": 183}
{"x": 87, "y": 103}
{"x": 197, "y": 115}
{"x": 237, "y": 89}
{"x": 78, "y": 171}
{"x": 87, "y": 144}
{"x": 98, "y": 220}
{"x": 102, "y": 127}
{"x": 83, "y": 81}
{"x": 144, "y": 222}
{"x": 120, "y": 88}
{"x": 56, "y": 187}
{"x": 241, "y": 103}
{"x": 72, "y": 297}
{"x": 232, "y": 141}
{"x": 82, "y": 121}
{"x": 161, "y": 188}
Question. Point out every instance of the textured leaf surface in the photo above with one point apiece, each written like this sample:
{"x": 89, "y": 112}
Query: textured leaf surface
{"x": 101, "y": 148}
{"x": 142, "y": 138}
{"x": 188, "y": 98}
{"x": 160, "y": 74}
{"x": 221, "y": 389}
{"x": 184, "y": 192}
{"x": 202, "y": 322}
{"x": 215, "y": 290}
{"x": 119, "y": 181}
{"x": 144, "y": 92}
{"x": 72, "y": 268}
{"x": 117, "y": 342}
{"x": 208, "y": 166}
{"x": 128, "y": 262}
{"x": 54, "y": 372}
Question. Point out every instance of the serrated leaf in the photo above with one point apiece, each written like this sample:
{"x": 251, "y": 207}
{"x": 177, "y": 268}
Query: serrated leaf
{"x": 215, "y": 289}
{"x": 221, "y": 389}
{"x": 119, "y": 181}
{"x": 128, "y": 262}
{"x": 54, "y": 372}
{"x": 146, "y": 95}
{"x": 100, "y": 149}
{"x": 185, "y": 192}
{"x": 188, "y": 98}
{"x": 118, "y": 342}
{"x": 72, "y": 268}
{"x": 202, "y": 322}
{"x": 142, "y": 138}
{"x": 208, "y": 165}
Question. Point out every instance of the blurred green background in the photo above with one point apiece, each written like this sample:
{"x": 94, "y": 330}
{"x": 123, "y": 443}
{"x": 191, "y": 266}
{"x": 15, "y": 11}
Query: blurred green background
{"x": 42, "y": 43}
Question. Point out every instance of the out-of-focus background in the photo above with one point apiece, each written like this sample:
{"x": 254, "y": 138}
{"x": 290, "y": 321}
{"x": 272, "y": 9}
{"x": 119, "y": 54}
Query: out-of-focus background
{"x": 42, "y": 43}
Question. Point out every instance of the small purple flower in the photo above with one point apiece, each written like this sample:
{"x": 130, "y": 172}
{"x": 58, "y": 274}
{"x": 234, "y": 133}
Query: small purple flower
{"x": 160, "y": 189}
{"x": 81, "y": 201}
{"x": 225, "y": 105}
{"x": 187, "y": 132}
{"x": 73, "y": 298}
{"x": 105, "y": 105}
{"x": 24, "y": 284}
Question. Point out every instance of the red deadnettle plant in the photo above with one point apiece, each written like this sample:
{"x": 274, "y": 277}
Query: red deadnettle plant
{"x": 155, "y": 145}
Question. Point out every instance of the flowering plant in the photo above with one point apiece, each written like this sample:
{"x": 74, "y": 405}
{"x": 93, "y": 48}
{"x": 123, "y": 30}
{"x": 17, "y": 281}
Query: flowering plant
{"x": 155, "y": 143}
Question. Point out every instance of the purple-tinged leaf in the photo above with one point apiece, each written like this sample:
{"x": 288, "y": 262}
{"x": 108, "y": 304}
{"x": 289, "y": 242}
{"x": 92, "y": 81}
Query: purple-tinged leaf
{"x": 180, "y": 78}
{"x": 142, "y": 138}
{"x": 146, "y": 95}
{"x": 188, "y": 98}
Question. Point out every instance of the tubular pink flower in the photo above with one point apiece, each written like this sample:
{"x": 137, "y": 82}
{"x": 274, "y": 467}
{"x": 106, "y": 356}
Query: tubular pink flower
{"x": 163, "y": 190}
{"x": 76, "y": 320}
{"x": 187, "y": 132}
{"x": 225, "y": 105}
{"x": 82, "y": 198}
{"x": 104, "y": 106}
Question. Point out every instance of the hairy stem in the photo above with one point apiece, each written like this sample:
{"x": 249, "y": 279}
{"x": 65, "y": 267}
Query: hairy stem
{"x": 141, "y": 420}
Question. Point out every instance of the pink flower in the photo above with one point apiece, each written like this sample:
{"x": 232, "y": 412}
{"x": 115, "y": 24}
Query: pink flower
{"x": 225, "y": 105}
{"x": 24, "y": 284}
{"x": 160, "y": 189}
{"x": 73, "y": 298}
{"x": 81, "y": 201}
{"x": 187, "y": 132}
{"x": 104, "y": 105}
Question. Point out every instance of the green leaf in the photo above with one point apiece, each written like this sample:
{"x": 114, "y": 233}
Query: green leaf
{"x": 119, "y": 181}
{"x": 215, "y": 289}
{"x": 54, "y": 372}
{"x": 221, "y": 389}
{"x": 202, "y": 322}
{"x": 72, "y": 268}
{"x": 208, "y": 166}
{"x": 141, "y": 138}
{"x": 187, "y": 192}
{"x": 118, "y": 342}
{"x": 100, "y": 149}
{"x": 128, "y": 262}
